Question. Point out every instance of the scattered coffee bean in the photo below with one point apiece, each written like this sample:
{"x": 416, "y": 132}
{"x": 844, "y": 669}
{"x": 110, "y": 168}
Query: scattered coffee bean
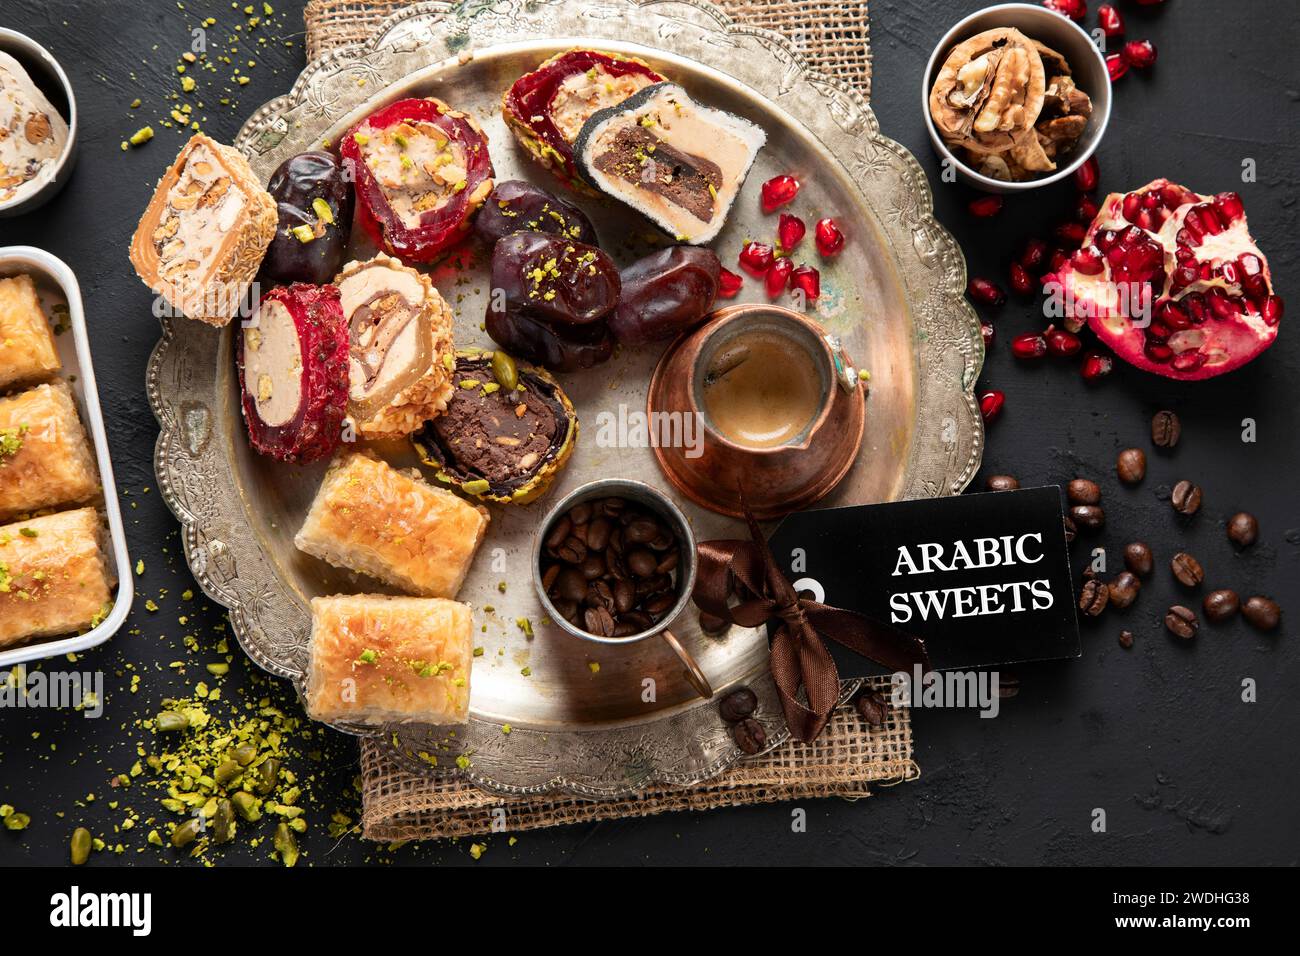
{"x": 1093, "y": 597}
{"x": 1131, "y": 465}
{"x": 749, "y": 735}
{"x": 1165, "y": 429}
{"x": 1088, "y": 517}
{"x": 1221, "y": 605}
{"x": 1126, "y": 639}
{"x": 1124, "y": 589}
{"x": 871, "y": 707}
{"x": 1181, "y": 622}
{"x": 738, "y": 705}
{"x": 1138, "y": 558}
{"x": 1261, "y": 612}
{"x": 1243, "y": 529}
{"x": 1001, "y": 483}
{"x": 1186, "y": 497}
{"x": 1071, "y": 529}
{"x": 608, "y": 566}
{"x": 1187, "y": 570}
{"x": 1081, "y": 491}
{"x": 711, "y": 624}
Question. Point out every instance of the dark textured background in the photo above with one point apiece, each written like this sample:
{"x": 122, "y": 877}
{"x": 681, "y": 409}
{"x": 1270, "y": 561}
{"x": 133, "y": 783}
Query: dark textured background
{"x": 1156, "y": 735}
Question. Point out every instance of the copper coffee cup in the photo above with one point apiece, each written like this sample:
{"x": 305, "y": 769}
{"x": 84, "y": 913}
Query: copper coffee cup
{"x": 777, "y": 479}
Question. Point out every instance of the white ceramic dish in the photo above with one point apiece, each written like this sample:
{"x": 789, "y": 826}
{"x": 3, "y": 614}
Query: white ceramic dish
{"x": 56, "y": 283}
{"x": 54, "y": 83}
{"x": 1062, "y": 35}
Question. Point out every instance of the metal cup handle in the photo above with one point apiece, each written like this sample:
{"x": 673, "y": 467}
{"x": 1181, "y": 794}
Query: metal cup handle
{"x": 693, "y": 672}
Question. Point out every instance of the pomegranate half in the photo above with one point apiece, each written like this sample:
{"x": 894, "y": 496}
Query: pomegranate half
{"x": 1173, "y": 282}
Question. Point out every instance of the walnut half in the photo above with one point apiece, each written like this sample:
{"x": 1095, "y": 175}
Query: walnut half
{"x": 989, "y": 91}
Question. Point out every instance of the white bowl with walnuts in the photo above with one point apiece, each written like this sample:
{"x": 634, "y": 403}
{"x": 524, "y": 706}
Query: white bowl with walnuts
{"x": 1015, "y": 97}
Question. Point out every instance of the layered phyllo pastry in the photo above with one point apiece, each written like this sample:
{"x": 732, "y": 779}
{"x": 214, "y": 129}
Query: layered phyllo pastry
{"x": 391, "y": 525}
{"x": 205, "y": 232}
{"x": 379, "y": 660}
{"x": 56, "y": 576}
{"x": 45, "y": 456}
{"x": 27, "y": 352}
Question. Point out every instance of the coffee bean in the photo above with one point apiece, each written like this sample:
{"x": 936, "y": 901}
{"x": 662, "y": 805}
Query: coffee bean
{"x": 1181, "y": 622}
{"x": 580, "y": 513}
{"x": 1071, "y": 529}
{"x": 599, "y": 621}
{"x": 1126, "y": 639}
{"x": 1187, "y": 570}
{"x": 598, "y": 533}
{"x": 1088, "y": 517}
{"x": 668, "y": 563}
{"x": 570, "y": 584}
{"x": 600, "y": 594}
{"x": 572, "y": 551}
{"x": 1186, "y": 497}
{"x": 1165, "y": 429}
{"x": 641, "y": 563}
{"x": 1093, "y": 597}
{"x": 1001, "y": 483}
{"x": 594, "y": 566}
{"x": 1138, "y": 558}
{"x": 624, "y": 596}
{"x": 640, "y": 531}
{"x": 1124, "y": 589}
{"x": 612, "y": 507}
{"x": 871, "y": 707}
{"x": 749, "y": 735}
{"x": 548, "y": 578}
{"x": 1081, "y": 491}
{"x": 1261, "y": 612}
{"x": 660, "y": 603}
{"x": 738, "y": 705}
{"x": 1131, "y": 465}
{"x": 1221, "y": 605}
{"x": 1243, "y": 529}
{"x": 711, "y": 624}
{"x": 559, "y": 531}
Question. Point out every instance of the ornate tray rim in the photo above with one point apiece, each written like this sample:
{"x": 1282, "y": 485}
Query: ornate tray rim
{"x": 690, "y": 745}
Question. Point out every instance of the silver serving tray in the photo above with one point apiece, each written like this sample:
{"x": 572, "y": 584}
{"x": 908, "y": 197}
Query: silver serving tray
{"x": 895, "y": 295}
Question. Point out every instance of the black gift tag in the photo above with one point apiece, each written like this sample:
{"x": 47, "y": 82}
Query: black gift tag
{"x": 983, "y": 579}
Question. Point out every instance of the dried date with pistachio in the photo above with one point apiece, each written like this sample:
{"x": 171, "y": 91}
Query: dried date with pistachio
{"x": 315, "y": 204}
{"x": 519, "y": 206}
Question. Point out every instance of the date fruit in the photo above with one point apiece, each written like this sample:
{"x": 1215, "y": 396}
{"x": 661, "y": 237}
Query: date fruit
{"x": 518, "y": 206}
{"x": 315, "y": 208}
{"x": 665, "y": 293}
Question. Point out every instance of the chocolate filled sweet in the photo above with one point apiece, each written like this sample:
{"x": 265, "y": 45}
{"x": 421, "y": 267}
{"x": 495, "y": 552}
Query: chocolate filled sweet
{"x": 292, "y": 358}
{"x": 678, "y": 163}
{"x": 518, "y": 206}
{"x": 400, "y": 341}
{"x": 315, "y": 203}
{"x": 421, "y": 170}
{"x": 546, "y": 108}
{"x": 506, "y": 432}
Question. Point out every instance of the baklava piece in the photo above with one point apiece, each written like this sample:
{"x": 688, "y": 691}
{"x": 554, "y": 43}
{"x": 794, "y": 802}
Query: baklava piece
{"x": 56, "y": 577}
{"x": 370, "y": 517}
{"x": 45, "y": 456}
{"x": 422, "y": 170}
{"x": 32, "y": 133}
{"x": 546, "y": 108}
{"x": 678, "y": 163}
{"x": 506, "y": 433}
{"x": 400, "y": 350}
{"x": 385, "y": 660}
{"x": 293, "y": 373}
{"x": 205, "y": 232}
{"x": 27, "y": 352}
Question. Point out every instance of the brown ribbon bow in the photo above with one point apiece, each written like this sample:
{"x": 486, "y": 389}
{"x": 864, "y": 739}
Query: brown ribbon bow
{"x": 799, "y": 654}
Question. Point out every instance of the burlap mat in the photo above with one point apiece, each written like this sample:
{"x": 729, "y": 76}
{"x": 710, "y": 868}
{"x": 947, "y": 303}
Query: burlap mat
{"x": 849, "y": 755}
{"x": 832, "y": 36}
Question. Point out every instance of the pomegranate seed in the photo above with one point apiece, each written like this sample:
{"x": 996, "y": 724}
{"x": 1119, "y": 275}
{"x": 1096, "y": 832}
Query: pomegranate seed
{"x": 985, "y": 291}
{"x": 1088, "y": 261}
{"x": 1062, "y": 343}
{"x": 1071, "y": 233}
{"x": 1131, "y": 206}
{"x": 1139, "y": 54}
{"x": 1272, "y": 309}
{"x": 987, "y": 333}
{"x": 729, "y": 283}
{"x": 1029, "y": 346}
{"x": 985, "y": 207}
{"x": 1116, "y": 66}
{"x": 1022, "y": 283}
{"x": 1058, "y": 258}
{"x": 756, "y": 258}
{"x": 778, "y": 277}
{"x": 1112, "y": 24}
{"x": 1035, "y": 255}
{"x": 1074, "y": 9}
{"x": 829, "y": 238}
{"x": 1096, "y": 365}
{"x": 790, "y": 231}
{"x": 991, "y": 403}
{"x": 1230, "y": 206}
{"x": 1085, "y": 210}
{"x": 778, "y": 191}
{"x": 1086, "y": 176}
{"x": 808, "y": 281}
